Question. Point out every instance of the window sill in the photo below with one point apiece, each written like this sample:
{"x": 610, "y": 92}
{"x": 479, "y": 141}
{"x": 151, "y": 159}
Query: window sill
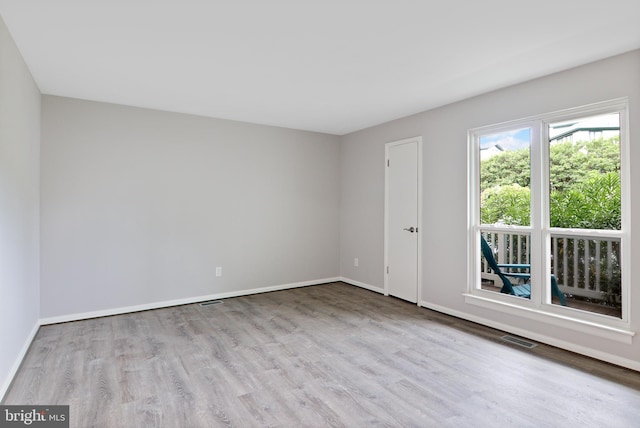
{"x": 608, "y": 332}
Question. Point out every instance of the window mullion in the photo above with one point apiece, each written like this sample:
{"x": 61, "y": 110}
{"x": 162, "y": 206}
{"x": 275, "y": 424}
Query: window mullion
{"x": 545, "y": 222}
{"x": 537, "y": 212}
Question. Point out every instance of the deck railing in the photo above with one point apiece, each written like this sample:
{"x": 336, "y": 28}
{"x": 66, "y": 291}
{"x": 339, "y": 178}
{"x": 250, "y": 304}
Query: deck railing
{"x": 584, "y": 266}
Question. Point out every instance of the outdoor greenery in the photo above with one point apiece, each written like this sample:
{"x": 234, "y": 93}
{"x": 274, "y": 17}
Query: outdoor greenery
{"x": 584, "y": 180}
{"x": 508, "y": 204}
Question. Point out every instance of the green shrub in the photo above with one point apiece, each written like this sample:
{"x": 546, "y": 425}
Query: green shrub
{"x": 507, "y": 204}
{"x": 584, "y": 186}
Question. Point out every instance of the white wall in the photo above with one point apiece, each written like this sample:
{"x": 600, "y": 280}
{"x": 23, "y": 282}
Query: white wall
{"x": 140, "y": 206}
{"x": 444, "y": 236}
{"x": 19, "y": 207}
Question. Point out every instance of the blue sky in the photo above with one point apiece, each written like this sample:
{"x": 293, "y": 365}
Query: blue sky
{"x": 509, "y": 140}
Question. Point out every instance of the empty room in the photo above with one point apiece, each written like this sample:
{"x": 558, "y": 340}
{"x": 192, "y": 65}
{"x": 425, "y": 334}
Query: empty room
{"x": 308, "y": 214}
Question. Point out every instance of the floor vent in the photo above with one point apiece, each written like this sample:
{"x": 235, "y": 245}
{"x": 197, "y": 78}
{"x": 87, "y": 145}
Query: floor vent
{"x": 518, "y": 341}
{"x": 210, "y": 302}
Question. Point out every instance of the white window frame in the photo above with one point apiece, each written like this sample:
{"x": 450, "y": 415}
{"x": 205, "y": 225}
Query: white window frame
{"x": 539, "y": 306}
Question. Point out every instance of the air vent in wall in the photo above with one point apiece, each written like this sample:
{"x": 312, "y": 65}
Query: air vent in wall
{"x": 518, "y": 341}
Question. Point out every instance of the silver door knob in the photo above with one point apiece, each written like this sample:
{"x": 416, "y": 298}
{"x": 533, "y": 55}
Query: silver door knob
{"x": 411, "y": 229}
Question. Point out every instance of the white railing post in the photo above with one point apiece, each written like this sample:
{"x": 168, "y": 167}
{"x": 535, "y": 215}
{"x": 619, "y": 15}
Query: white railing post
{"x": 609, "y": 255}
{"x": 502, "y": 248}
{"x": 598, "y": 258}
{"x": 554, "y": 258}
{"x": 575, "y": 264}
{"x": 565, "y": 259}
{"x": 587, "y": 264}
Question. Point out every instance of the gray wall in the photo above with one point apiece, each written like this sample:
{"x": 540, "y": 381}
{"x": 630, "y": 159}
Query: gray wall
{"x": 140, "y": 206}
{"x": 19, "y": 206}
{"x": 444, "y": 219}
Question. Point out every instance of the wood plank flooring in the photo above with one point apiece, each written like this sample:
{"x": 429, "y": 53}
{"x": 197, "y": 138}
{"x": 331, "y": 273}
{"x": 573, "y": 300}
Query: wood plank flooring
{"x": 329, "y": 355}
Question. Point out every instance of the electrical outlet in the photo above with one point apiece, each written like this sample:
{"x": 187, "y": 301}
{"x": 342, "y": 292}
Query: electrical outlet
{"x": 356, "y": 262}
{"x": 218, "y": 271}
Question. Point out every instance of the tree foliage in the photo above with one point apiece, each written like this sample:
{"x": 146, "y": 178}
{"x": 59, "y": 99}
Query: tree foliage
{"x": 507, "y": 204}
{"x": 584, "y": 186}
{"x": 592, "y": 204}
{"x": 571, "y": 163}
{"x": 505, "y": 169}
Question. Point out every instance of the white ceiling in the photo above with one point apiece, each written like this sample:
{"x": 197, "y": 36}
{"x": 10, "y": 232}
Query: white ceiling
{"x": 331, "y": 66}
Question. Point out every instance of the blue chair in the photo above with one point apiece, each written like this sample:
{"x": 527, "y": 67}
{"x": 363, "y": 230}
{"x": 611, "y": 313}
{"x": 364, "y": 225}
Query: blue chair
{"x": 522, "y": 290}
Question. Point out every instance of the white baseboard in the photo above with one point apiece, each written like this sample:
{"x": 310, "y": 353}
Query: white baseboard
{"x": 583, "y": 350}
{"x": 177, "y": 302}
{"x": 362, "y": 285}
{"x": 16, "y": 365}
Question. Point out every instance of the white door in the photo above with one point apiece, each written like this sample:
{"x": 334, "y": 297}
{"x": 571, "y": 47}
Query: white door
{"x": 402, "y": 218}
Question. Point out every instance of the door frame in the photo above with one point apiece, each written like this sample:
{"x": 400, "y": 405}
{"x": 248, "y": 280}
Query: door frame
{"x": 387, "y": 147}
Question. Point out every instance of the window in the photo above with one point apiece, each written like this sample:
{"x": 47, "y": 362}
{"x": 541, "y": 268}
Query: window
{"x": 547, "y": 213}
{"x": 585, "y": 213}
{"x": 505, "y": 177}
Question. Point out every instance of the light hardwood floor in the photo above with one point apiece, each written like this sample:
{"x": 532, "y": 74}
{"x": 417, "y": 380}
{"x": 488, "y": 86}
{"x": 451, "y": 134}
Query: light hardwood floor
{"x": 329, "y": 355}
